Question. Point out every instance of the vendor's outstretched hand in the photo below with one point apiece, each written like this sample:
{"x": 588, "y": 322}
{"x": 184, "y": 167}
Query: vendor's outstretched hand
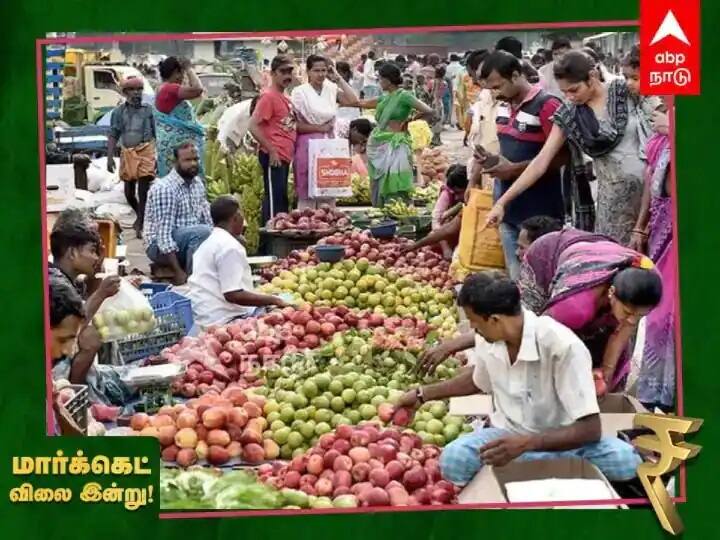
{"x": 431, "y": 359}
{"x": 279, "y": 302}
{"x": 408, "y": 400}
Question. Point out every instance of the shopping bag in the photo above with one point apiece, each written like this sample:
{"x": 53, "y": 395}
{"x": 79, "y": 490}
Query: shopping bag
{"x": 329, "y": 170}
{"x": 480, "y": 247}
{"x": 125, "y": 314}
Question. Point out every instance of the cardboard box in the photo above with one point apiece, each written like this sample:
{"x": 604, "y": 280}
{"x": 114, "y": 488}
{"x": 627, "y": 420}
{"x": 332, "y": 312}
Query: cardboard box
{"x": 475, "y": 405}
{"x": 617, "y": 412}
{"x": 59, "y": 187}
{"x": 488, "y": 486}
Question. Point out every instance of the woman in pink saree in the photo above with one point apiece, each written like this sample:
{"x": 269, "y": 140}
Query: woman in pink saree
{"x": 653, "y": 235}
{"x": 597, "y": 288}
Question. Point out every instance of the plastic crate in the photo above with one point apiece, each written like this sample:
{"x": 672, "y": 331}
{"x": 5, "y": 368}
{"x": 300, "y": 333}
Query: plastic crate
{"x": 166, "y": 333}
{"x": 171, "y": 304}
{"x": 78, "y": 406}
{"x": 151, "y": 289}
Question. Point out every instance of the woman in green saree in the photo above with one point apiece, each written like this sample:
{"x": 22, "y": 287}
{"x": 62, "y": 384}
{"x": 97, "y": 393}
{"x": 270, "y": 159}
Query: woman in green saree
{"x": 389, "y": 149}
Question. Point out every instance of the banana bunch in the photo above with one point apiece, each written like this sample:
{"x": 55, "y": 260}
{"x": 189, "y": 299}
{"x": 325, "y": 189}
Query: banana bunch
{"x": 250, "y": 195}
{"x": 212, "y": 155}
{"x": 399, "y": 209}
{"x": 427, "y": 194}
{"x": 361, "y": 192}
{"x": 214, "y": 189}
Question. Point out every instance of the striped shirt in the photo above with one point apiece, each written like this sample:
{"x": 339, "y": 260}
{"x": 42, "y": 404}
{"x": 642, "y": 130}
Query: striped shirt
{"x": 173, "y": 203}
{"x": 522, "y": 132}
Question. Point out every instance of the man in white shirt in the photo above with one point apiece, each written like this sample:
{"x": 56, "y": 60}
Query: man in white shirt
{"x": 221, "y": 287}
{"x": 539, "y": 374}
{"x": 371, "y": 86}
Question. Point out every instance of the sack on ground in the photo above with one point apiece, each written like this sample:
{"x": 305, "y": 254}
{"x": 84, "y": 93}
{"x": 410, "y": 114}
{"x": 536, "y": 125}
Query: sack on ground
{"x": 330, "y": 164}
{"x": 479, "y": 248}
{"x": 127, "y": 313}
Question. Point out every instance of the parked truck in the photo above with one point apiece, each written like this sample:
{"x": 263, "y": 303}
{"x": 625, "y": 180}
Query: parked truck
{"x": 92, "y": 84}
{"x": 82, "y": 87}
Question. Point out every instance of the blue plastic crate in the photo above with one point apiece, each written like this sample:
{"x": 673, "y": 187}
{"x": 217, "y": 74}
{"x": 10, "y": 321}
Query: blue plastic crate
{"x": 170, "y": 303}
{"x": 150, "y": 289}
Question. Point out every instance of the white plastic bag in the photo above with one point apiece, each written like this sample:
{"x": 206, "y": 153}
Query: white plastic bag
{"x": 329, "y": 171}
{"x": 127, "y": 313}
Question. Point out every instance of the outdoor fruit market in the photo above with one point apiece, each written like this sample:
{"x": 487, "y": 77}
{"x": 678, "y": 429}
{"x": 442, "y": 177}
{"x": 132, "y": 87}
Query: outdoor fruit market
{"x": 322, "y": 288}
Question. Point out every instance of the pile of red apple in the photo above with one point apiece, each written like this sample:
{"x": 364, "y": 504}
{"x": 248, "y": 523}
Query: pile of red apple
{"x": 381, "y": 467}
{"x": 214, "y": 428}
{"x": 235, "y": 352}
{"x": 324, "y": 218}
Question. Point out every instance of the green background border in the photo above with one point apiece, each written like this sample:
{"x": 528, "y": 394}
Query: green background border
{"x": 22, "y": 411}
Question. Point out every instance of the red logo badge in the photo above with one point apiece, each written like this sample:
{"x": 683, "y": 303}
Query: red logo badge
{"x": 670, "y": 47}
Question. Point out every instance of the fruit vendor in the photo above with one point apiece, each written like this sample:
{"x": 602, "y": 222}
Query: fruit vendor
{"x": 273, "y": 125}
{"x": 74, "y": 345}
{"x": 67, "y": 317}
{"x": 75, "y": 247}
{"x": 177, "y": 218}
{"x": 132, "y": 125}
{"x": 221, "y": 286}
{"x": 540, "y": 376}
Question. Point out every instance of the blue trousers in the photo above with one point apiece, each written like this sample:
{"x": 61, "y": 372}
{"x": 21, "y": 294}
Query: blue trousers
{"x": 188, "y": 239}
{"x": 509, "y": 236}
{"x": 460, "y": 460}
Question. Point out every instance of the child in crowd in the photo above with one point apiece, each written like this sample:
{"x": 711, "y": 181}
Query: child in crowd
{"x": 451, "y": 194}
{"x": 360, "y": 129}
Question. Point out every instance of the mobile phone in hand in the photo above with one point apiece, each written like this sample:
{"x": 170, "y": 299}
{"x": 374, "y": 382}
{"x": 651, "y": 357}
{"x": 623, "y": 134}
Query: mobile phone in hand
{"x": 489, "y": 160}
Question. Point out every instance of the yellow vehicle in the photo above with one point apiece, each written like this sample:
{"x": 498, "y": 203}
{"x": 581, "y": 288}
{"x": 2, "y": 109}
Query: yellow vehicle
{"x": 92, "y": 82}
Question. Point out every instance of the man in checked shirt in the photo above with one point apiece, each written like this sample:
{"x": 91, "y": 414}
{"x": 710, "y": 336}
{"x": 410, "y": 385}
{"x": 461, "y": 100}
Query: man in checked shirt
{"x": 177, "y": 217}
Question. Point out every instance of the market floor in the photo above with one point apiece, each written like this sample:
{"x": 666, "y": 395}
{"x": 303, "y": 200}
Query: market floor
{"x": 452, "y": 145}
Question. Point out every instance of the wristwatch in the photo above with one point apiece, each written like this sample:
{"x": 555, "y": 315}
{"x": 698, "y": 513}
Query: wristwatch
{"x": 420, "y": 395}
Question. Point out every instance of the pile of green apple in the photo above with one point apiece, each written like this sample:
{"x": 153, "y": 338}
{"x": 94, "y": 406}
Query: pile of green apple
{"x": 299, "y": 411}
{"x": 359, "y": 284}
{"x": 434, "y": 425}
{"x": 353, "y": 353}
{"x": 117, "y": 324}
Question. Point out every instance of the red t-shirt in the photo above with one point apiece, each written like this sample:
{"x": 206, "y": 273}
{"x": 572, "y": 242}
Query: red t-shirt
{"x": 276, "y": 120}
{"x": 167, "y": 97}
